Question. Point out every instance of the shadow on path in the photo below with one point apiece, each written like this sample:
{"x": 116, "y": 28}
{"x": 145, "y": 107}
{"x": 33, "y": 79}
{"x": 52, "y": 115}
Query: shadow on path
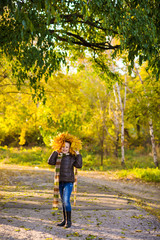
{"x": 100, "y": 213}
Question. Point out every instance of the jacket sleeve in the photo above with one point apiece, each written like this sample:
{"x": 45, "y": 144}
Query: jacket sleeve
{"x": 78, "y": 161}
{"x": 53, "y": 158}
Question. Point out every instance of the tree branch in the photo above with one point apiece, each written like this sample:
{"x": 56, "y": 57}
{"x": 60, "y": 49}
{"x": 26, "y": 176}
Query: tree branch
{"x": 4, "y": 85}
{"x": 16, "y": 93}
{"x": 70, "y": 19}
{"x": 82, "y": 41}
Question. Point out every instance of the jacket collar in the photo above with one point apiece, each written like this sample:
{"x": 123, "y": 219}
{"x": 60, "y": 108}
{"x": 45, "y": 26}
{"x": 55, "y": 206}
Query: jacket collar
{"x": 64, "y": 154}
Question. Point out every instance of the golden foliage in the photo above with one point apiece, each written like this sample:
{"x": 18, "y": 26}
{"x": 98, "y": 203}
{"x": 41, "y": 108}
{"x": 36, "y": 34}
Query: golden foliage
{"x": 22, "y": 136}
{"x": 58, "y": 142}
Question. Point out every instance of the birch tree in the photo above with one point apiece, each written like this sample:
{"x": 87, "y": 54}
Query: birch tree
{"x": 115, "y": 118}
{"x": 151, "y": 128}
{"x": 122, "y": 102}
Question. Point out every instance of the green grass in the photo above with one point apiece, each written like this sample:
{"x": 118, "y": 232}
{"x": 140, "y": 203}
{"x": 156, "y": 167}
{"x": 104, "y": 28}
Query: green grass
{"x": 35, "y": 156}
{"x": 133, "y": 159}
{"x": 92, "y": 162}
{"x": 147, "y": 175}
{"x": 138, "y": 165}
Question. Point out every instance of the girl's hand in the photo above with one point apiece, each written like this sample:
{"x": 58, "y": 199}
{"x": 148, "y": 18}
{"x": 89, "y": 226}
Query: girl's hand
{"x": 77, "y": 152}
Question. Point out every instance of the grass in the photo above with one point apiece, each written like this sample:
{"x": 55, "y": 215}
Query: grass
{"x": 35, "y": 156}
{"x": 147, "y": 175}
{"x": 138, "y": 166}
{"x": 132, "y": 160}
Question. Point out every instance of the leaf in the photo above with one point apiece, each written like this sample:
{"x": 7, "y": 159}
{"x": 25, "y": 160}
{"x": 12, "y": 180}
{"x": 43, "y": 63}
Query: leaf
{"x": 24, "y": 24}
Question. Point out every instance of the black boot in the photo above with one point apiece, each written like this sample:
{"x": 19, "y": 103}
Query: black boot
{"x": 68, "y": 220}
{"x": 64, "y": 217}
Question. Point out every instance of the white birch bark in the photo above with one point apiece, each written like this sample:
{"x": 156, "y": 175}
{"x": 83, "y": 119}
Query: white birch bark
{"x": 122, "y": 107}
{"x": 116, "y": 103}
{"x": 154, "y": 152}
{"x": 116, "y": 121}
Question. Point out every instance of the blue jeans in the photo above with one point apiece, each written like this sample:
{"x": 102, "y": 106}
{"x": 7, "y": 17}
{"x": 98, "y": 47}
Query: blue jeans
{"x": 65, "y": 189}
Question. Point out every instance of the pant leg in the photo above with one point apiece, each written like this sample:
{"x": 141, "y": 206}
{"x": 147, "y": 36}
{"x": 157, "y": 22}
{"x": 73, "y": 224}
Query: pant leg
{"x": 67, "y": 190}
{"x": 61, "y": 189}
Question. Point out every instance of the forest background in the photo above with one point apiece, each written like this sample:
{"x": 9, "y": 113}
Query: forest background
{"x": 110, "y": 101}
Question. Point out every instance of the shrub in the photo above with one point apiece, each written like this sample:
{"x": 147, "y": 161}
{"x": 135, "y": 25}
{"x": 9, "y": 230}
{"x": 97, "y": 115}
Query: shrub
{"x": 89, "y": 162}
{"x": 151, "y": 175}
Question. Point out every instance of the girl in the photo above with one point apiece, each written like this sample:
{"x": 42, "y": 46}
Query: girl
{"x": 66, "y": 177}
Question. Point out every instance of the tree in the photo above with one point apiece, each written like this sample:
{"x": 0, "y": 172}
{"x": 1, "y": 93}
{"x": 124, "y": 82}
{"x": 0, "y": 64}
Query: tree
{"x": 151, "y": 128}
{"x": 23, "y": 119}
{"x": 115, "y": 118}
{"x": 122, "y": 103}
{"x": 41, "y": 33}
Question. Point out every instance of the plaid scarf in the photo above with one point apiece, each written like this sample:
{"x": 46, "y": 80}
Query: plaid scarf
{"x": 56, "y": 182}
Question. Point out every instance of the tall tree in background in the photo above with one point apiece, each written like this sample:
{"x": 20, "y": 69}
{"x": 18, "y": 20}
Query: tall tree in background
{"x": 151, "y": 128}
{"x": 21, "y": 117}
{"x": 84, "y": 104}
{"x": 41, "y": 33}
{"x": 115, "y": 110}
{"x": 122, "y": 102}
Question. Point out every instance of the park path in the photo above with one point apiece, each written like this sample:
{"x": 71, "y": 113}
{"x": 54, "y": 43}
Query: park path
{"x": 100, "y": 213}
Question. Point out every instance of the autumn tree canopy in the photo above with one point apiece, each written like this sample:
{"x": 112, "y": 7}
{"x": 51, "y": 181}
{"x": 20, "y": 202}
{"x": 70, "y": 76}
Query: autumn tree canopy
{"x": 37, "y": 35}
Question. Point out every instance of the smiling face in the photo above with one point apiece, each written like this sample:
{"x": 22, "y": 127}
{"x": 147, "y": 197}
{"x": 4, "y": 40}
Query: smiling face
{"x": 66, "y": 147}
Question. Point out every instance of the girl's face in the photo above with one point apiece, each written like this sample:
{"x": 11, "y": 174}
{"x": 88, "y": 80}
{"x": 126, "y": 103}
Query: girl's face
{"x": 66, "y": 147}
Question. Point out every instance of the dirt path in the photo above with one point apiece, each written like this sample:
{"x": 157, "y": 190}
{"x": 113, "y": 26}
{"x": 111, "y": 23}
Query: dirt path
{"x": 101, "y": 212}
{"x": 146, "y": 193}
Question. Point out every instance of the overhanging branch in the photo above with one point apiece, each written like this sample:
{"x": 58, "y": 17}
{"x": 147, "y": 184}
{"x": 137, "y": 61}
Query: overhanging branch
{"x": 71, "y": 38}
{"x": 70, "y": 18}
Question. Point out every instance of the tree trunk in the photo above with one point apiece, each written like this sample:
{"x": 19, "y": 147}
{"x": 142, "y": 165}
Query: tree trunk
{"x": 116, "y": 145}
{"x": 154, "y": 152}
{"x": 102, "y": 147}
{"x": 116, "y": 122}
{"x": 122, "y": 107}
{"x": 102, "y": 154}
{"x": 122, "y": 137}
{"x": 138, "y": 130}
